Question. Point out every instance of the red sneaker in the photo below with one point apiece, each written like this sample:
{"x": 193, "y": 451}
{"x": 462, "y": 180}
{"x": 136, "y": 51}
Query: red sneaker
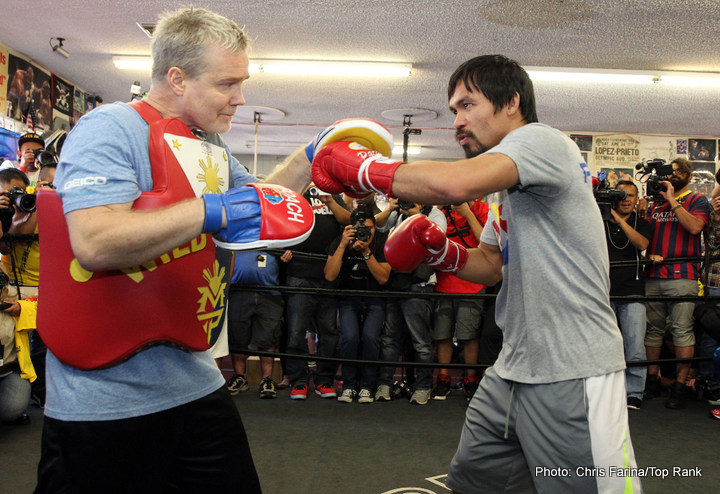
{"x": 715, "y": 412}
{"x": 299, "y": 392}
{"x": 470, "y": 383}
{"x": 325, "y": 391}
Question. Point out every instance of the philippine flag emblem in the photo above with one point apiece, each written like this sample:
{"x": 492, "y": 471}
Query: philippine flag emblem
{"x": 272, "y": 196}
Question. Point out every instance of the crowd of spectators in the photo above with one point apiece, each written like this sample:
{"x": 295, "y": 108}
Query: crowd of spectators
{"x": 641, "y": 234}
{"x": 345, "y": 251}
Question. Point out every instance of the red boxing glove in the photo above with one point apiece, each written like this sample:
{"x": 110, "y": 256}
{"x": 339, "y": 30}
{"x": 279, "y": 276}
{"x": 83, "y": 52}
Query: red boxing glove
{"x": 354, "y": 169}
{"x": 419, "y": 240}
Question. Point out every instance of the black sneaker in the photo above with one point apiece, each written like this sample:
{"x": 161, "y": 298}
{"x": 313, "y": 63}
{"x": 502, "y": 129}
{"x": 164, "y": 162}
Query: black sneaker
{"x": 237, "y": 383}
{"x": 712, "y": 396}
{"x": 678, "y": 393}
{"x": 634, "y": 403}
{"x": 441, "y": 389}
{"x": 652, "y": 388}
{"x": 23, "y": 419}
{"x": 267, "y": 388}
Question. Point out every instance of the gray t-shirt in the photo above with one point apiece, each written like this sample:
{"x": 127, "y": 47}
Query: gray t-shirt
{"x": 554, "y": 306}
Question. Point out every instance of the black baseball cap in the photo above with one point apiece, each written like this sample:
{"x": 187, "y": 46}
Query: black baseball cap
{"x": 30, "y": 137}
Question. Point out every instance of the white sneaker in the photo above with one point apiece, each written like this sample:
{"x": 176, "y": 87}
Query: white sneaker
{"x": 365, "y": 396}
{"x": 347, "y": 395}
{"x": 383, "y": 393}
{"x": 420, "y": 397}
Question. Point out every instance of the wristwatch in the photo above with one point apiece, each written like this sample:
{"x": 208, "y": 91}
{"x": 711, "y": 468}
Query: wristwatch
{"x": 367, "y": 256}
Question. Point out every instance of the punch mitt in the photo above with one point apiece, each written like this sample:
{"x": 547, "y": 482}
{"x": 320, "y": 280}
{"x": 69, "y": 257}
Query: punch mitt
{"x": 419, "y": 240}
{"x": 259, "y": 216}
{"x": 354, "y": 169}
{"x": 364, "y": 131}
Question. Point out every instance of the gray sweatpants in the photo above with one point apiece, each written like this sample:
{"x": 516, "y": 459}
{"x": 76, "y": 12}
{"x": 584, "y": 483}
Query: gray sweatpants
{"x": 568, "y": 436}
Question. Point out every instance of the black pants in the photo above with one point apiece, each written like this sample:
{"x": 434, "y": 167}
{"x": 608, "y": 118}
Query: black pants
{"x": 197, "y": 447}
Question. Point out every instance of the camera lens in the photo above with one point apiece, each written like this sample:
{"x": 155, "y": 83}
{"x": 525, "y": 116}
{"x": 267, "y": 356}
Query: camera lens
{"x": 26, "y": 203}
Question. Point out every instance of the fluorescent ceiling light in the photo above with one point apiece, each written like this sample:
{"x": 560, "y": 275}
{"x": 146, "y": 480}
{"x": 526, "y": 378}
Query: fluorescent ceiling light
{"x": 411, "y": 151}
{"x": 297, "y": 67}
{"x": 331, "y": 68}
{"x": 133, "y": 63}
{"x": 611, "y": 76}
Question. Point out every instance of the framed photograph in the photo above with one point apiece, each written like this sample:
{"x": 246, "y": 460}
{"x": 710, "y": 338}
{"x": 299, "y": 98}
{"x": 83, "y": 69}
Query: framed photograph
{"x": 584, "y": 142}
{"x": 702, "y": 149}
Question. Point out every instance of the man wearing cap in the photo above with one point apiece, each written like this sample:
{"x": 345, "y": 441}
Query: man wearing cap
{"x": 27, "y": 145}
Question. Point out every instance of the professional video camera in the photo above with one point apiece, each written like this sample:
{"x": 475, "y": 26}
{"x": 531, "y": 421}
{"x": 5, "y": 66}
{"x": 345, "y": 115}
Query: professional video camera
{"x": 605, "y": 196}
{"x": 25, "y": 202}
{"x": 652, "y": 172}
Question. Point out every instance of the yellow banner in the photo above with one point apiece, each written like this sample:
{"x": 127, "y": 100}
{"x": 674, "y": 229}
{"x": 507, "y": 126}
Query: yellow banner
{"x": 3, "y": 79}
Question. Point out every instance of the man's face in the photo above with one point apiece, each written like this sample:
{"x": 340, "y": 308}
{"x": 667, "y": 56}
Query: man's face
{"x": 15, "y": 182}
{"x": 678, "y": 179}
{"x": 478, "y": 126}
{"x": 627, "y": 205}
{"x": 26, "y": 155}
{"x": 211, "y": 99}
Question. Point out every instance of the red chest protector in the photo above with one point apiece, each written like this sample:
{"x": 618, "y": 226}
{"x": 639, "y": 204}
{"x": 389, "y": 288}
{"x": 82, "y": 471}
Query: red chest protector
{"x": 92, "y": 320}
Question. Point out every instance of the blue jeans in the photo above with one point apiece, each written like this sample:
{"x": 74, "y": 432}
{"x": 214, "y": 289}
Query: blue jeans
{"x": 369, "y": 312}
{"x": 633, "y": 322}
{"x": 14, "y": 396}
{"x": 408, "y": 317}
{"x": 304, "y": 312}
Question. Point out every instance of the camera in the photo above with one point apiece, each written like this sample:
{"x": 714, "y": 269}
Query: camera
{"x": 406, "y": 205}
{"x": 401, "y": 389}
{"x": 606, "y": 196}
{"x": 363, "y": 233}
{"x": 45, "y": 157}
{"x": 24, "y": 201}
{"x": 655, "y": 171}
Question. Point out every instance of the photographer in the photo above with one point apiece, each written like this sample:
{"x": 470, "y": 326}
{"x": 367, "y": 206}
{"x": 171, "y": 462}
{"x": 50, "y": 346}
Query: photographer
{"x": 16, "y": 368}
{"x": 358, "y": 260}
{"x": 21, "y": 259}
{"x": 677, "y": 220}
{"x": 28, "y": 143}
{"x": 627, "y": 236}
{"x": 31, "y": 147}
{"x": 409, "y": 318}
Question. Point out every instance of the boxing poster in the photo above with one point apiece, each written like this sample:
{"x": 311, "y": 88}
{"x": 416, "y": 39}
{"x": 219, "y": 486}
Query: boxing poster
{"x": 614, "y": 175}
{"x": 29, "y": 93}
{"x": 3, "y": 79}
{"x": 79, "y": 105}
{"x": 62, "y": 94}
{"x": 619, "y": 151}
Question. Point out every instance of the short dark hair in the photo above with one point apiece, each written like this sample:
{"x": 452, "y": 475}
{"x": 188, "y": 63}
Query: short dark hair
{"x": 361, "y": 213}
{"x": 626, "y": 182}
{"x": 7, "y": 175}
{"x": 498, "y": 78}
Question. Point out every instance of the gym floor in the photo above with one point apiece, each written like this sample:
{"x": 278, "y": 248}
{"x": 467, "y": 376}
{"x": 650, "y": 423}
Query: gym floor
{"x": 325, "y": 447}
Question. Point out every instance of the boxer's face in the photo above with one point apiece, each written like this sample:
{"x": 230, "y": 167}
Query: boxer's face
{"x": 478, "y": 126}
{"x": 211, "y": 99}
